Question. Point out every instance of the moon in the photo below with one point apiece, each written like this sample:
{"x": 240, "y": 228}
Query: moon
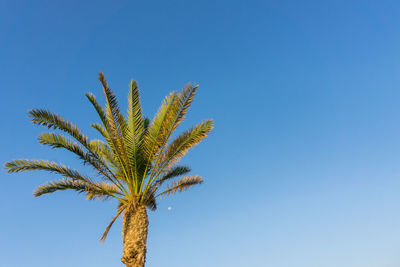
{"x": 169, "y": 208}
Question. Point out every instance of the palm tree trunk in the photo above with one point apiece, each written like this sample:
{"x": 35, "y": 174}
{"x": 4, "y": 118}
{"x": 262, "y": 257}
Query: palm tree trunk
{"x": 134, "y": 235}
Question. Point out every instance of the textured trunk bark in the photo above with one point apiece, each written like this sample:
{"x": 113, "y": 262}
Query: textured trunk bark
{"x": 134, "y": 235}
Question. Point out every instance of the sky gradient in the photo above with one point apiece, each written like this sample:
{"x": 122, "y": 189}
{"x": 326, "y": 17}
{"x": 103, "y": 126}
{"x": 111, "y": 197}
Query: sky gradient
{"x": 301, "y": 170}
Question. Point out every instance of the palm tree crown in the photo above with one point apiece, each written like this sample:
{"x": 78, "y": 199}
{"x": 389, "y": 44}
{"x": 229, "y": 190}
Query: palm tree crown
{"x": 137, "y": 161}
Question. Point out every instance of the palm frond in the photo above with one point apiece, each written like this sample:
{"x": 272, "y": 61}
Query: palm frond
{"x": 182, "y": 103}
{"x": 99, "y": 191}
{"x": 183, "y": 143}
{"x": 172, "y": 173}
{"x": 103, "y": 190}
{"x": 21, "y": 165}
{"x": 149, "y": 200}
{"x": 157, "y": 129}
{"x": 104, "y": 151}
{"x": 98, "y": 108}
{"x": 185, "y": 99}
{"x": 114, "y": 116}
{"x": 55, "y": 140}
{"x": 117, "y": 124}
{"x": 59, "y": 141}
{"x": 173, "y": 118}
{"x": 182, "y": 184}
{"x": 104, "y": 132}
{"x": 135, "y": 130}
{"x": 146, "y": 124}
{"x": 121, "y": 208}
{"x": 51, "y": 120}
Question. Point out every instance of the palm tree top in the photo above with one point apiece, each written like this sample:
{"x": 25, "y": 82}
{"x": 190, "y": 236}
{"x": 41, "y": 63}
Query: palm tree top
{"x": 136, "y": 161}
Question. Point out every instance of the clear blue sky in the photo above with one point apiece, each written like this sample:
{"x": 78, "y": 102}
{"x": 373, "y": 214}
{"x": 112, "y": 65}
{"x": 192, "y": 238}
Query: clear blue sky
{"x": 302, "y": 169}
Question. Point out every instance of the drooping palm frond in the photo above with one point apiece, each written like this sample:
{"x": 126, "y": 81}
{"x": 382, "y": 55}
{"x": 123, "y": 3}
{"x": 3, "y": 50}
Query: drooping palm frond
{"x": 52, "y": 120}
{"x": 94, "y": 190}
{"x": 103, "y": 191}
{"x": 182, "y": 184}
{"x": 59, "y": 141}
{"x": 21, "y": 165}
{"x": 121, "y": 208}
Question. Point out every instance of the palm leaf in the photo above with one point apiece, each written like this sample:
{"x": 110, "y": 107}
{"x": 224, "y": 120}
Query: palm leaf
{"x": 93, "y": 191}
{"x": 150, "y": 200}
{"x": 121, "y": 208}
{"x": 21, "y": 165}
{"x": 182, "y": 184}
{"x": 98, "y": 108}
{"x": 135, "y": 130}
{"x": 117, "y": 124}
{"x": 174, "y": 172}
{"x": 157, "y": 129}
{"x": 59, "y": 141}
{"x": 51, "y": 120}
{"x": 183, "y": 143}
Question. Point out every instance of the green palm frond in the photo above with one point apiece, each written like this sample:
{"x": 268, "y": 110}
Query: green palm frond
{"x": 98, "y": 108}
{"x": 182, "y": 184}
{"x": 105, "y": 129}
{"x": 146, "y": 124}
{"x": 183, "y": 143}
{"x": 173, "y": 117}
{"x": 135, "y": 132}
{"x": 105, "y": 151}
{"x": 111, "y": 143}
{"x": 21, "y": 165}
{"x": 101, "y": 130}
{"x": 59, "y": 141}
{"x": 103, "y": 191}
{"x": 177, "y": 113}
{"x": 99, "y": 191}
{"x": 51, "y": 120}
{"x": 182, "y": 103}
{"x": 118, "y": 127}
{"x": 176, "y": 171}
{"x": 157, "y": 129}
{"x": 115, "y": 119}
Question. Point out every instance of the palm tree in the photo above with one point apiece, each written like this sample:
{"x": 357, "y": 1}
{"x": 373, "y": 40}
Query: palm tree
{"x": 135, "y": 164}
